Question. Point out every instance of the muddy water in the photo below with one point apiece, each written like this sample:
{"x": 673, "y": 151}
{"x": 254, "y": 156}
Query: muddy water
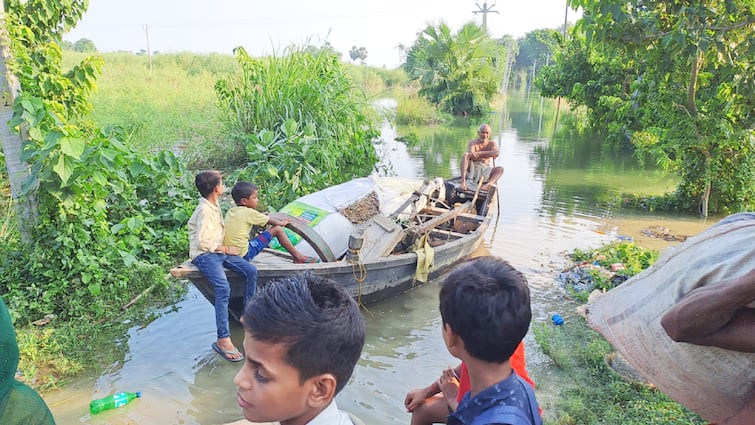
{"x": 549, "y": 205}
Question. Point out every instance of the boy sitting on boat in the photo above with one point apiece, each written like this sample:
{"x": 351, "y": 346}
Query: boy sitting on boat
{"x": 485, "y": 312}
{"x": 210, "y": 255}
{"x": 303, "y": 336}
{"x": 240, "y": 219}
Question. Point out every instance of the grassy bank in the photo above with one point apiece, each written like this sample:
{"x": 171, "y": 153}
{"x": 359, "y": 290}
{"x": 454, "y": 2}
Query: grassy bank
{"x": 593, "y": 393}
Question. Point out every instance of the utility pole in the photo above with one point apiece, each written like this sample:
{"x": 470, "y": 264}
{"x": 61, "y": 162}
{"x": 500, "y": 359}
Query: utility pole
{"x": 485, "y": 10}
{"x": 149, "y": 51}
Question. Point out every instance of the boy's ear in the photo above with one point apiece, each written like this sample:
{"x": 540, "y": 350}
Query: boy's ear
{"x": 452, "y": 339}
{"x": 322, "y": 391}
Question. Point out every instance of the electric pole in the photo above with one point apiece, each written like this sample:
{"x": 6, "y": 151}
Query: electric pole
{"x": 149, "y": 51}
{"x": 485, "y": 10}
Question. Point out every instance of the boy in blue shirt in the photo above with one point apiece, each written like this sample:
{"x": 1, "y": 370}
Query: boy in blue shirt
{"x": 485, "y": 308}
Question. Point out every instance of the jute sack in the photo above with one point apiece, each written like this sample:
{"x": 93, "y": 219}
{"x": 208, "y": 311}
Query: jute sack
{"x": 713, "y": 382}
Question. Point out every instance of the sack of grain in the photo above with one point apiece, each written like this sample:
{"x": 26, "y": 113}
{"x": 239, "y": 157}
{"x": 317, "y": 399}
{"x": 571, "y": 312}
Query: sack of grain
{"x": 713, "y": 382}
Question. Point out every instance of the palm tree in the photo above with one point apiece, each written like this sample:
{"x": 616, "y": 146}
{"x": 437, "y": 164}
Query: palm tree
{"x": 457, "y": 72}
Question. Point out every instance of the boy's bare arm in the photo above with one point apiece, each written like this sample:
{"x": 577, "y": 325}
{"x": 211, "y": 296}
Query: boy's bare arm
{"x": 716, "y": 315}
{"x": 281, "y": 223}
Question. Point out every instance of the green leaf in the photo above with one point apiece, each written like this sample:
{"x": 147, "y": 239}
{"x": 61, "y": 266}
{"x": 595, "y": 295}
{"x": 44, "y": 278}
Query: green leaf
{"x": 272, "y": 171}
{"x": 36, "y": 134}
{"x": 72, "y": 147}
{"x": 95, "y": 288}
{"x": 129, "y": 259}
{"x": 64, "y": 169}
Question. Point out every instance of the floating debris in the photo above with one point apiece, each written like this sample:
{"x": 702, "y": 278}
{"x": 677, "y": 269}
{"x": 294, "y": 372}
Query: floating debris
{"x": 660, "y": 232}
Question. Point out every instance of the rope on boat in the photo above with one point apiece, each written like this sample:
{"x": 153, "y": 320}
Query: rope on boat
{"x": 360, "y": 274}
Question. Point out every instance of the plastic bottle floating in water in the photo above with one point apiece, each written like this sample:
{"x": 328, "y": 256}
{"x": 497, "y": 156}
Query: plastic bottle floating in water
{"x": 112, "y": 401}
{"x": 557, "y": 319}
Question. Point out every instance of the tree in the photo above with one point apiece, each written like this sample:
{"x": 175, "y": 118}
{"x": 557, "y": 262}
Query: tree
{"x": 325, "y": 48}
{"x": 458, "y": 72}
{"x": 682, "y": 90}
{"x": 358, "y": 53}
{"x": 12, "y": 142}
{"x": 85, "y": 45}
{"x": 536, "y": 48}
{"x": 92, "y": 242}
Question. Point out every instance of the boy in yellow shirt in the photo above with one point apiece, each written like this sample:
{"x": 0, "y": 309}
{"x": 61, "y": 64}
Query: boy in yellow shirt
{"x": 240, "y": 219}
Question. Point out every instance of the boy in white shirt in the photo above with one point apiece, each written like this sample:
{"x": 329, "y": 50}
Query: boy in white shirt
{"x": 304, "y": 335}
{"x": 207, "y": 252}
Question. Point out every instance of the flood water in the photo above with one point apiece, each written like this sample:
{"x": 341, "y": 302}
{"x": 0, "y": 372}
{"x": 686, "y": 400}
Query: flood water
{"x": 552, "y": 200}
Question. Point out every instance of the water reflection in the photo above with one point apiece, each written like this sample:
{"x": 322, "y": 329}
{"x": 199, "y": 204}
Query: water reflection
{"x": 554, "y": 198}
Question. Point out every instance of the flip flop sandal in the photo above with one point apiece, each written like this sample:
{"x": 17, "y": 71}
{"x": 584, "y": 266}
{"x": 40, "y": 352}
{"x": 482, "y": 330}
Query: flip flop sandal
{"x": 227, "y": 354}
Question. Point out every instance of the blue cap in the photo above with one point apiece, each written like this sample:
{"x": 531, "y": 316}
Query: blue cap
{"x": 138, "y": 394}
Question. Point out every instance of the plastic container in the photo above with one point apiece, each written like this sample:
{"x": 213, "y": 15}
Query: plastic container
{"x": 557, "y": 319}
{"x": 113, "y": 401}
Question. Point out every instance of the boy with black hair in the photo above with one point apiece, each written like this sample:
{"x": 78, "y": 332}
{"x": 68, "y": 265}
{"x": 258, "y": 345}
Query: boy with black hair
{"x": 240, "y": 219}
{"x": 210, "y": 255}
{"x": 485, "y": 309}
{"x": 304, "y": 335}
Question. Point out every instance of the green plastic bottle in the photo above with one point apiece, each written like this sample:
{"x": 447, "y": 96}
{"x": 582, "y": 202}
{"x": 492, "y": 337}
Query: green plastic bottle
{"x": 112, "y": 401}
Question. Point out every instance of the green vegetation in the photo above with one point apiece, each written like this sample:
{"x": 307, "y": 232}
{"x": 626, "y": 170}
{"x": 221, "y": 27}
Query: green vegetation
{"x": 596, "y": 394}
{"x": 592, "y": 393}
{"x": 674, "y": 82}
{"x": 297, "y": 123}
{"x": 460, "y": 73}
{"x": 535, "y": 50}
{"x": 413, "y": 109}
{"x": 170, "y": 107}
{"x": 633, "y": 259}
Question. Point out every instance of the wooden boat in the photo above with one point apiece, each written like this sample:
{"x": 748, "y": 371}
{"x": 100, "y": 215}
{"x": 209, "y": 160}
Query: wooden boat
{"x": 385, "y": 252}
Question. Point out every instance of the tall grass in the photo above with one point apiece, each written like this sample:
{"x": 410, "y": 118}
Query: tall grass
{"x": 172, "y": 106}
{"x": 300, "y": 121}
{"x": 413, "y": 109}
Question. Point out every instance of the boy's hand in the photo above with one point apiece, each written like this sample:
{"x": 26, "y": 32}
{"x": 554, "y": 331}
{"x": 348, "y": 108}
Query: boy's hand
{"x": 281, "y": 223}
{"x": 449, "y": 386}
{"x": 227, "y": 250}
{"x": 417, "y": 396}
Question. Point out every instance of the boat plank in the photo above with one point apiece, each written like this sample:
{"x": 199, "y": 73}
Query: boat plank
{"x": 380, "y": 237}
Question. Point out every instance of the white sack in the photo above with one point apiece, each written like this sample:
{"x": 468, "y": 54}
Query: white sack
{"x": 711, "y": 381}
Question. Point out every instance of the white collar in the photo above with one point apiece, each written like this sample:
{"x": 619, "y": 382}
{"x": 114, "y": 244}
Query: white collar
{"x": 331, "y": 416}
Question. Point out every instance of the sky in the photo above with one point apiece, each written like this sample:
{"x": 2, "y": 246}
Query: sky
{"x": 264, "y": 27}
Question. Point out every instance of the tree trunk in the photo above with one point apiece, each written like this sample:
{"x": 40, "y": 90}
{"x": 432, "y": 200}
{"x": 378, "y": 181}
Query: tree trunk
{"x": 697, "y": 62}
{"x": 12, "y": 143}
{"x": 706, "y": 190}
